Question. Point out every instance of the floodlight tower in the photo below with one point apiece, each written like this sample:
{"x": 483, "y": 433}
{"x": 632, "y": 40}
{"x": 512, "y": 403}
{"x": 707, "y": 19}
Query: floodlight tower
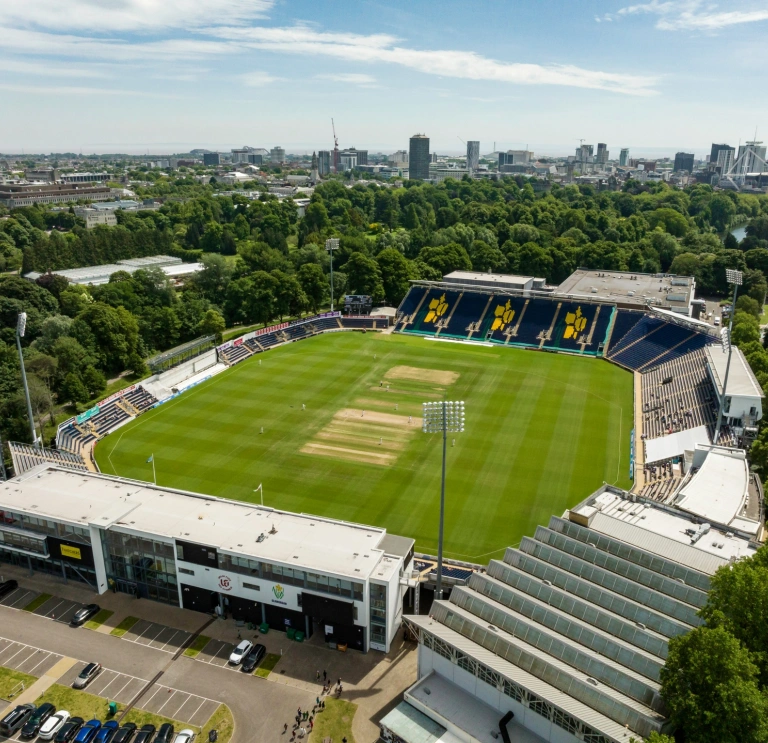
{"x": 733, "y": 277}
{"x": 331, "y": 244}
{"x": 21, "y": 327}
{"x": 445, "y": 417}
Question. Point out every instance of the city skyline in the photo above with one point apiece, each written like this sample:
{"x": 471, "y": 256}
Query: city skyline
{"x": 224, "y": 73}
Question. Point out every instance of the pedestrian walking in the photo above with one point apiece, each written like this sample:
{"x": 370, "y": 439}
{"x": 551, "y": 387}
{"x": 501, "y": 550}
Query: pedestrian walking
{"x": 339, "y": 681}
{"x": 285, "y": 728}
{"x": 317, "y": 676}
{"x": 325, "y": 676}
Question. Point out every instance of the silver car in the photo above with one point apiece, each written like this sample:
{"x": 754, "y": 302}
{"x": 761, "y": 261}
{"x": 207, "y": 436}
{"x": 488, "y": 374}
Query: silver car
{"x": 184, "y": 736}
{"x": 87, "y": 675}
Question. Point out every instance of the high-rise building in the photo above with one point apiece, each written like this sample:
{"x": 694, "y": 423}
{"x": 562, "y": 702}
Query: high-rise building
{"x": 211, "y": 158}
{"x": 277, "y": 155}
{"x": 314, "y": 175}
{"x": 418, "y": 157}
{"x": 602, "y": 153}
{"x": 239, "y": 156}
{"x": 752, "y": 156}
{"x": 715, "y": 151}
{"x": 684, "y": 161}
{"x": 361, "y": 156}
{"x": 473, "y": 155}
{"x": 324, "y": 162}
{"x": 725, "y": 159}
{"x": 515, "y": 157}
{"x": 347, "y": 161}
{"x": 400, "y": 157}
{"x": 255, "y": 159}
{"x": 624, "y": 157}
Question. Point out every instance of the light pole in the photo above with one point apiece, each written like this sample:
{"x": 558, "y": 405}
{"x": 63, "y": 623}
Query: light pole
{"x": 331, "y": 244}
{"x": 442, "y": 417}
{"x": 21, "y": 326}
{"x": 733, "y": 277}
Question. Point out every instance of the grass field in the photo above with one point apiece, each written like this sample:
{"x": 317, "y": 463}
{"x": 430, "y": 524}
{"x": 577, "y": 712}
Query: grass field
{"x": 542, "y": 431}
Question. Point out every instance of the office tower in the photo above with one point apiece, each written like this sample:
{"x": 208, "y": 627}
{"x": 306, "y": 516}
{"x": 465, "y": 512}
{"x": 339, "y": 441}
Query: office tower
{"x": 324, "y": 162}
{"x": 715, "y": 152}
{"x": 239, "y": 156}
{"x": 684, "y": 161}
{"x": 418, "y": 157}
{"x": 725, "y": 158}
{"x": 624, "y": 157}
{"x": 255, "y": 159}
{"x": 277, "y": 155}
{"x": 400, "y": 157}
{"x": 314, "y": 174}
{"x": 515, "y": 157}
{"x": 473, "y": 155}
{"x": 602, "y": 153}
{"x": 752, "y": 156}
{"x": 211, "y": 158}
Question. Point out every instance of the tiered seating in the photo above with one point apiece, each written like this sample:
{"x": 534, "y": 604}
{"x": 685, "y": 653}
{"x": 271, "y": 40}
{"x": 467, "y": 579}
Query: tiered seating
{"x": 25, "y": 457}
{"x": 268, "y": 340}
{"x": 623, "y": 322}
{"x": 434, "y": 310}
{"x": 409, "y": 304}
{"x": 653, "y": 341}
{"x": 687, "y": 401}
{"x": 234, "y": 354}
{"x": 580, "y": 327}
{"x": 466, "y": 312}
{"x": 108, "y": 417}
{"x": 661, "y": 482}
{"x": 140, "y": 399}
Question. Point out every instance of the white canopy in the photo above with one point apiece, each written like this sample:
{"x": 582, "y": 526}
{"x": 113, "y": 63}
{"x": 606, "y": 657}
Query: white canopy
{"x": 674, "y": 445}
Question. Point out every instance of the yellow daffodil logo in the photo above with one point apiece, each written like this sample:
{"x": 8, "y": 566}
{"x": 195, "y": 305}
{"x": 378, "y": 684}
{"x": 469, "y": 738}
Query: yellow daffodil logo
{"x": 575, "y": 323}
{"x": 437, "y": 308}
{"x": 278, "y": 591}
{"x": 504, "y": 315}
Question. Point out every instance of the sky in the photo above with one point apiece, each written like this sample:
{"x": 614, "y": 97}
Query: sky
{"x": 165, "y": 76}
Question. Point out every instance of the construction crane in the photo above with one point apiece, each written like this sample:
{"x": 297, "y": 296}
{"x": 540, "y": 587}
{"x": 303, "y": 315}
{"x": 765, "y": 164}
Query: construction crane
{"x": 335, "y": 148}
{"x": 461, "y": 140}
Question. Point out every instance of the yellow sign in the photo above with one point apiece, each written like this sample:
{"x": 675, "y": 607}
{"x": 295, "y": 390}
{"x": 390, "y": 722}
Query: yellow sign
{"x": 437, "y": 308}
{"x": 504, "y": 314}
{"x": 67, "y": 551}
{"x": 575, "y": 323}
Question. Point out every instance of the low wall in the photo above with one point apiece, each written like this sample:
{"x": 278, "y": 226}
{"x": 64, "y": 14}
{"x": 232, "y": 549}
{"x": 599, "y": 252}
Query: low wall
{"x": 163, "y": 383}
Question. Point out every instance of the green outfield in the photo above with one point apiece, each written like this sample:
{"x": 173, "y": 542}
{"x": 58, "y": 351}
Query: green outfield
{"x": 542, "y": 432}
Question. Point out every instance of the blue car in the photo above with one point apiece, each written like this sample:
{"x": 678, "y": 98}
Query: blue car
{"x": 88, "y": 732}
{"x": 108, "y": 730}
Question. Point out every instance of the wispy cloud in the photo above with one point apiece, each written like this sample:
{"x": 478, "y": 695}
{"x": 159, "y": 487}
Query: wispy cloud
{"x": 257, "y": 79}
{"x": 50, "y": 69}
{"x": 128, "y": 15}
{"x": 693, "y": 15}
{"x": 352, "y": 78}
{"x": 70, "y": 90}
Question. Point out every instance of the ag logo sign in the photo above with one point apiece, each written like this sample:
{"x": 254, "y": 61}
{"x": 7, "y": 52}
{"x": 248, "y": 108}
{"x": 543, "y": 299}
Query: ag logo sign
{"x": 278, "y": 591}
{"x": 225, "y": 583}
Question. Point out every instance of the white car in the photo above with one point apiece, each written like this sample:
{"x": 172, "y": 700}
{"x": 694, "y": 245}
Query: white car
{"x": 237, "y": 657}
{"x": 186, "y": 735}
{"x": 53, "y": 724}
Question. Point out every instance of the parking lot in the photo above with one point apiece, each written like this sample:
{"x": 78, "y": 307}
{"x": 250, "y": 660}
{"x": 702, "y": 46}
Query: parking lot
{"x": 157, "y": 636}
{"x": 62, "y": 610}
{"x": 117, "y": 687}
{"x": 19, "y": 598}
{"x": 178, "y": 705}
{"x": 21, "y": 657}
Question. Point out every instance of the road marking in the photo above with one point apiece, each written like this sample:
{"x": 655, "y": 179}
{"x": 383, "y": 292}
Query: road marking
{"x": 50, "y": 612}
{"x": 31, "y": 673}
{"x": 130, "y": 679}
{"x": 166, "y": 701}
{"x": 15, "y": 654}
{"x": 148, "y": 702}
{"x": 175, "y": 632}
{"x": 109, "y": 683}
{"x": 149, "y": 626}
{"x": 194, "y": 714}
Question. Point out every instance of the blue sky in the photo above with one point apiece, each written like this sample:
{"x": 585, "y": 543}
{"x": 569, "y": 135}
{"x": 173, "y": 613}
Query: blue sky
{"x": 169, "y": 75}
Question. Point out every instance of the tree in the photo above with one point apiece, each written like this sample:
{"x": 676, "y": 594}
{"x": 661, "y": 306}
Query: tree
{"x": 721, "y": 211}
{"x": 73, "y": 390}
{"x": 314, "y": 284}
{"x": 210, "y": 242}
{"x": 212, "y": 323}
{"x": 364, "y": 276}
{"x": 446, "y": 258}
{"x": 395, "y": 275}
{"x": 110, "y": 334}
{"x": 748, "y": 305}
{"x": 290, "y": 298}
{"x": 709, "y": 684}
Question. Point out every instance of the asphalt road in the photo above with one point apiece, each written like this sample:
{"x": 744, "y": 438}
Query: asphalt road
{"x": 260, "y": 707}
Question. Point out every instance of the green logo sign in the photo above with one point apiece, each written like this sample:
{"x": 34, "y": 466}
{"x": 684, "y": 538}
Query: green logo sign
{"x": 278, "y": 591}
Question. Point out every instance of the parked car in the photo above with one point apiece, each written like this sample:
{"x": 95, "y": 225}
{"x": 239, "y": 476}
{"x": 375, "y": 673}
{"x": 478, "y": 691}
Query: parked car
{"x": 165, "y": 734}
{"x": 70, "y": 730}
{"x": 145, "y": 734}
{"x": 254, "y": 657}
{"x": 125, "y": 733}
{"x": 53, "y": 724}
{"x": 239, "y": 653}
{"x": 16, "y": 719}
{"x": 7, "y": 586}
{"x": 106, "y": 731}
{"x": 35, "y": 722}
{"x": 184, "y": 736}
{"x": 87, "y": 675}
{"x": 84, "y": 613}
{"x": 88, "y": 732}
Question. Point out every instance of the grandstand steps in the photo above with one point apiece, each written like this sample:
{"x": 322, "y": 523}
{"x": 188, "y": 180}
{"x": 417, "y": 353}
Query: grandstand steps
{"x": 512, "y": 333}
{"x": 411, "y": 319}
{"x": 447, "y": 321}
{"x": 338, "y": 320}
{"x": 638, "y": 340}
{"x": 623, "y": 322}
{"x": 478, "y": 326}
{"x": 650, "y": 364}
{"x": 127, "y": 407}
{"x": 256, "y": 343}
{"x": 548, "y": 335}
{"x": 588, "y": 341}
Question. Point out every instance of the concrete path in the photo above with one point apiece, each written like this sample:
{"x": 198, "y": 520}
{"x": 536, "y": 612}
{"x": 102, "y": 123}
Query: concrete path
{"x": 44, "y": 683}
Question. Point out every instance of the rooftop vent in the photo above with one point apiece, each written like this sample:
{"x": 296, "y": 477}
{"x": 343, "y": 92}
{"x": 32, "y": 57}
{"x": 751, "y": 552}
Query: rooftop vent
{"x": 261, "y": 537}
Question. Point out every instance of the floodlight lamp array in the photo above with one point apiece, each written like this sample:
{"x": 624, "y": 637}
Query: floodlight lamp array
{"x": 332, "y": 243}
{"x": 21, "y": 324}
{"x": 445, "y": 416}
{"x": 732, "y": 276}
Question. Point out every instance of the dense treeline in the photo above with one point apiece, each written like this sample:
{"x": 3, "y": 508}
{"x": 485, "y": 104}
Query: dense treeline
{"x": 262, "y": 262}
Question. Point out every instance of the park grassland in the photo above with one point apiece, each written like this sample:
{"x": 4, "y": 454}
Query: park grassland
{"x": 542, "y": 431}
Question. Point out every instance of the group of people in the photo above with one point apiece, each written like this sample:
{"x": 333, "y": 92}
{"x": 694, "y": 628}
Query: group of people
{"x": 306, "y": 716}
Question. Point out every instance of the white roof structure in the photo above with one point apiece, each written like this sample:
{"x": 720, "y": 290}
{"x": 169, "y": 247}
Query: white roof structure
{"x": 89, "y": 499}
{"x": 675, "y": 445}
{"x": 496, "y": 280}
{"x": 97, "y": 275}
{"x": 718, "y": 490}
{"x": 663, "y": 531}
{"x": 741, "y": 380}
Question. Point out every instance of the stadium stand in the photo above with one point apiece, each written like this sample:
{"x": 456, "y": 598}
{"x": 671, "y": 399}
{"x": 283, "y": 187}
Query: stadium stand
{"x": 25, "y": 457}
{"x": 234, "y": 354}
{"x": 406, "y": 312}
{"x": 652, "y": 341}
{"x": 623, "y": 322}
